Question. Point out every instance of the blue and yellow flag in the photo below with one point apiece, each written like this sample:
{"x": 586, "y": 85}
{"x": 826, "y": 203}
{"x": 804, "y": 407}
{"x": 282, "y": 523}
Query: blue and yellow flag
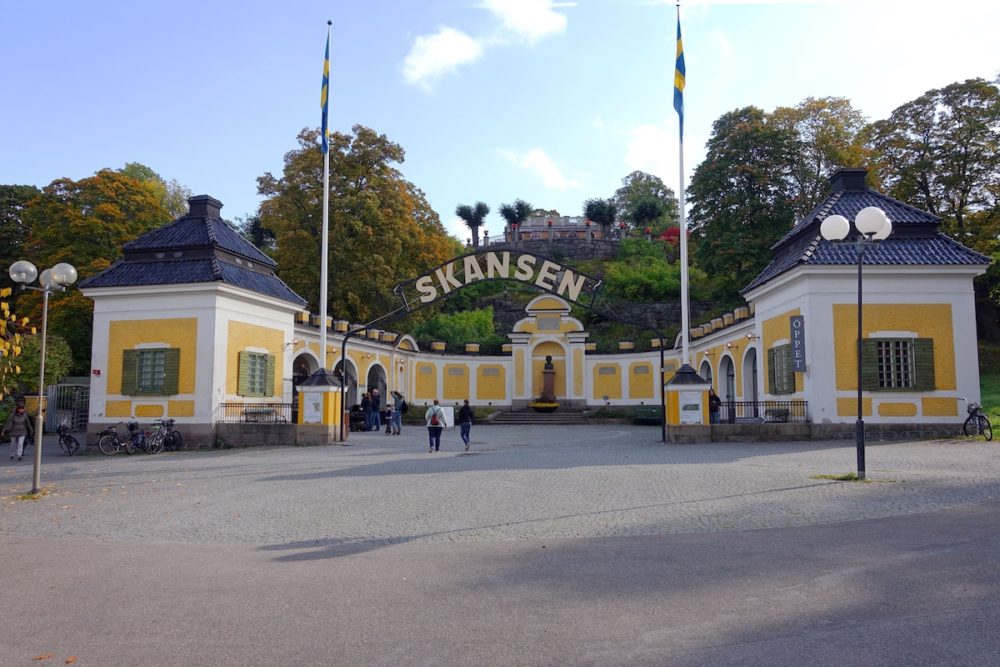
{"x": 679, "y": 76}
{"x": 324, "y": 95}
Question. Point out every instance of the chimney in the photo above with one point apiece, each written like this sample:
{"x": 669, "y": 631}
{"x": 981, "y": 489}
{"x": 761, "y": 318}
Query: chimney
{"x": 203, "y": 206}
{"x": 852, "y": 180}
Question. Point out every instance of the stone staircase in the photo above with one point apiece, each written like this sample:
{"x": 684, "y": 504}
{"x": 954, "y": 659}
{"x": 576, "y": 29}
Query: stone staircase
{"x": 561, "y": 417}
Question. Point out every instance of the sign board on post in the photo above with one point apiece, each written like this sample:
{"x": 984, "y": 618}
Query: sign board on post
{"x": 691, "y": 407}
{"x": 798, "y": 336}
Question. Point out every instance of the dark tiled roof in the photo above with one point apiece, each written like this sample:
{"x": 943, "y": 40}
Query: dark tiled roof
{"x": 915, "y": 239}
{"x": 196, "y": 248}
{"x": 198, "y": 232}
{"x": 938, "y": 250}
{"x": 203, "y": 270}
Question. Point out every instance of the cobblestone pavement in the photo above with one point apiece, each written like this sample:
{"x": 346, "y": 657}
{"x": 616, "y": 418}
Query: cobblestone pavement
{"x": 517, "y": 483}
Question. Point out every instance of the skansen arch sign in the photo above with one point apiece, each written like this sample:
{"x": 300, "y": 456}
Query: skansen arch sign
{"x": 535, "y": 270}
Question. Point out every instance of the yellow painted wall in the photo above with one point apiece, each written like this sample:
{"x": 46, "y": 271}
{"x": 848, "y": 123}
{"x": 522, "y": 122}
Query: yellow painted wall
{"x": 118, "y": 408}
{"x": 579, "y": 366}
{"x": 456, "y": 387}
{"x": 179, "y": 332}
{"x": 927, "y": 320}
{"x": 491, "y": 387}
{"x": 425, "y": 386}
{"x": 519, "y": 372}
{"x": 848, "y": 407}
{"x": 241, "y": 336}
{"x": 669, "y": 371}
{"x": 180, "y": 408}
{"x": 148, "y": 411}
{"x": 641, "y": 384}
{"x": 607, "y": 385}
{"x": 897, "y": 409}
{"x": 939, "y": 407}
{"x": 774, "y": 329}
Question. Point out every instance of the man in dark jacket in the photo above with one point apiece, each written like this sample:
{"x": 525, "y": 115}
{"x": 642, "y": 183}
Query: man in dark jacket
{"x": 465, "y": 422}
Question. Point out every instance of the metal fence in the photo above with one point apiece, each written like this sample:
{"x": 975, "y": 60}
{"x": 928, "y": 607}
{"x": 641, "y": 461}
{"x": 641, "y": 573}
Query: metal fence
{"x": 751, "y": 412}
{"x": 256, "y": 413}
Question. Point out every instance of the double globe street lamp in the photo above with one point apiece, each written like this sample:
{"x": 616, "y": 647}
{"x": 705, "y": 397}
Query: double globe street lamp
{"x": 51, "y": 280}
{"x": 872, "y": 225}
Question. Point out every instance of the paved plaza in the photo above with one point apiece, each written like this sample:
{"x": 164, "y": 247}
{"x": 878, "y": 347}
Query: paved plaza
{"x": 571, "y": 545}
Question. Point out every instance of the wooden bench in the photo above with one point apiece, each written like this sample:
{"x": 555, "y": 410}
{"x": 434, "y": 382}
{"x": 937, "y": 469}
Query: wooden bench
{"x": 263, "y": 413}
{"x": 776, "y": 415}
{"x": 648, "y": 414}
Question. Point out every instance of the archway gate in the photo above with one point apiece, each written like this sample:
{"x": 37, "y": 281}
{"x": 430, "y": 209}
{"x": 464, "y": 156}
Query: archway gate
{"x": 537, "y": 271}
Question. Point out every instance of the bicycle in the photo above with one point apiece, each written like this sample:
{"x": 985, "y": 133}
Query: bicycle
{"x": 111, "y": 443}
{"x": 139, "y": 440}
{"x": 172, "y": 440}
{"x": 69, "y": 444}
{"x": 977, "y": 423}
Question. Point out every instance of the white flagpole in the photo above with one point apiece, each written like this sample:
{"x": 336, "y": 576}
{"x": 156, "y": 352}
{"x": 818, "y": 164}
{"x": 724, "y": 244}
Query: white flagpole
{"x": 680, "y": 71}
{"x": 324, "y": 250}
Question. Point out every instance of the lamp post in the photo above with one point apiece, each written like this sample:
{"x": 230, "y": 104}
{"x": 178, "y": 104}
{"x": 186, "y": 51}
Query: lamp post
{"x": 872, "y": 225}
{"x": 51, "y": 280}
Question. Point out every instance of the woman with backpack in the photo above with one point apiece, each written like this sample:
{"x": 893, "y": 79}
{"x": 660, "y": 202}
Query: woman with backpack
{"x": 434, "y": 417}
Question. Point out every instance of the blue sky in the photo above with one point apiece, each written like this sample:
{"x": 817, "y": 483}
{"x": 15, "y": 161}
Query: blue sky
{"x": 493, "y": 100}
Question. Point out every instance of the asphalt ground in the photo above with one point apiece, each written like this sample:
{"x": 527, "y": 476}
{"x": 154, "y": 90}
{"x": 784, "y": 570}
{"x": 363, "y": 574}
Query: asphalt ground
{"x": 540, "y": 546}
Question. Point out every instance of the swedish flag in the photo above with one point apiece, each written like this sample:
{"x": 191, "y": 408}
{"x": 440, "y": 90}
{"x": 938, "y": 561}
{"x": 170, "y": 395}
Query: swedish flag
{"x": 324, "y": 95}
{"x": 679, "y": 72}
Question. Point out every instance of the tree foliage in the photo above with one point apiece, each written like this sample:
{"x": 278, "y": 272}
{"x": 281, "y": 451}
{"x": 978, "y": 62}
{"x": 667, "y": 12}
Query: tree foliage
{"x": 640, "y": 186}
{"x": 13, "y": 229}
{"x": 381, "y": 228}
{"x": 12, "y": 330}
{"x": 84, "y": 223}
{"x": 456, "y": 329}
{"x": 58, "y": 361}
{"x": 941, "y": 152}
{"x": 473, "y": 216}
{"x": 829, "y": 135}
{"x": 516, "y": 213}
{"x": 741, "y": 197}
{"x": 172, "y": 195}
{"x": 603, "y": 212}
{"x": 640, "y": 274}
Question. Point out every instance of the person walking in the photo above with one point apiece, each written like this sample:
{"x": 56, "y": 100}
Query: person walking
{"x": 465, "y": 422}
{"x": 398, "y": 408}
{"x": 376, "y": 411}
{"x": 366, "y": 410}
{"x": 389, "y": 412}
{"x": 435, "y": 420}
{"x": 714, "y": 405}
{"x": 18, "y": 426}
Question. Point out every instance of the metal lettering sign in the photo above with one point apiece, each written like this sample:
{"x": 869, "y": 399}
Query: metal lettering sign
{"x": 798, "y": 335}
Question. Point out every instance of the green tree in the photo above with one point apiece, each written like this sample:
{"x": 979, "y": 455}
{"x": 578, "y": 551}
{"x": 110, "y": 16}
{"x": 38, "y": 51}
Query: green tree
{"x": 941, "y": 152}
{"x": 381, "y": 228}
{"x": 58, "y": 361}
{"x": 740, "y": 197}
{"x": 639, "y": 186}
{"x": 456, "y": 329}
{"x": 603, "y": 212}
{"x": 12, "y": 330}
{"x": 829, "y": 134}
{"x": 13, "y": 231}
{"x": 473, "y": 216}
{"x": 646, "y": 213}
{"x": 251, "y": 228}
{"x": 172, "y": 195}
{"x": 85, "y": 223}
{"x": 515, "y": 214}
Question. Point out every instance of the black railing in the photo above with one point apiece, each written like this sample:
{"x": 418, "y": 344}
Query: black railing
{"x": 756, "y": 412}
{"x": 256, "y": 413}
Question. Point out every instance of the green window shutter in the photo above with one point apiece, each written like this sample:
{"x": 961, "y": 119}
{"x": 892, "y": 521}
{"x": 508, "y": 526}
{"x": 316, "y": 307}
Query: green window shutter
{"x": 269, "y": 376}
{"x": 869, "y": 365}
{"x": 771, "y": 388}
{"x": 788, "y": 381}
{"x": 244, "y": 374}
{"x": 171, "y": 370}
{"x": 923, "y": 364}
{"x": 130, "y": 369}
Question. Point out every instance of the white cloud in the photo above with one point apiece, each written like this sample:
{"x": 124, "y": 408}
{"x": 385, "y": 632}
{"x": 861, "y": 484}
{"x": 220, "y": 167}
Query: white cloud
{"x": 433, "y": 56}
{"x": 652, "y": 149}
{"x": 725, "y": 47}
{"x": 537, "y": 162}
{"x": 529, "y": 19}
